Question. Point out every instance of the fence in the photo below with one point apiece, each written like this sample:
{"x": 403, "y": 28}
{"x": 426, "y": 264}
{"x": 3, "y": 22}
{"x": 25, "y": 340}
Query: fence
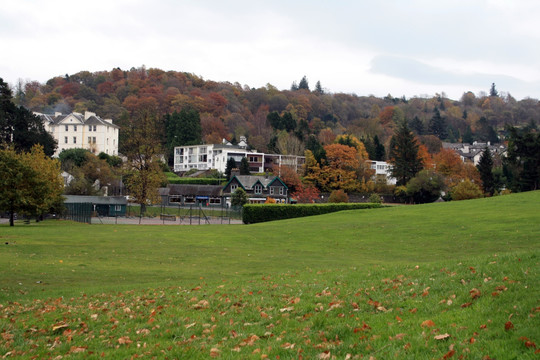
{"x": 158, "y": 215}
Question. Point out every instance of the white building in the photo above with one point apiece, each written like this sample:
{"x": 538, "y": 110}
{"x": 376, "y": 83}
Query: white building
{"x": 383, "y": 171}
{"x": 86, "y": 131}
{"x": 215, "y": 156}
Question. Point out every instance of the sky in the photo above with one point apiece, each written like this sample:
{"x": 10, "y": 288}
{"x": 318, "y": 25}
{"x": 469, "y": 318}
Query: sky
{"x": 400, "y": 47}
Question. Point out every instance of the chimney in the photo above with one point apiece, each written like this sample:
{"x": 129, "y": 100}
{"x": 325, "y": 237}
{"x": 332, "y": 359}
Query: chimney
{"x": 57, "y": 114}
{"x": 235, "y": 172}
{"x": 88, "y": 114}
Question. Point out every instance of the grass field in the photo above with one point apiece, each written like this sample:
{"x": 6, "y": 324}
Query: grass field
{"x": 431, "y": 281}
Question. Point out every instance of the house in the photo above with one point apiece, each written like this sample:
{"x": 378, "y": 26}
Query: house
{"x": 473, "y": 152}
{"x": 87, "y": 131}
{"x": 101, "y": 205}
{"x": 258, "y": 188}
{"x": 383, "y": 172}
{"x": 216, "y": 156}
{"x": 189, "y": 194}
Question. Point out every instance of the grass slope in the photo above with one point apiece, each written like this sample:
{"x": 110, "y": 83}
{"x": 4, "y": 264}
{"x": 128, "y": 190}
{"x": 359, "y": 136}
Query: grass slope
{"x": 383, "y": 283}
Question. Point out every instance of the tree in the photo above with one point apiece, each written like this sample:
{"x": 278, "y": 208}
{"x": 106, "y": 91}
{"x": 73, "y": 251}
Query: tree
{"x": 318, "y": 88}
{"x": 492, "y": 91}
{"x": 239, "y": 197}
{"x": 30, "y": 183}
{"x": 466, "y": 190}
{"x": 522, "y": 165}
{"x": 340, "y": 170}
{"x": 485, "y": 168}
{"x": 73, "y": 157}
{"x": 417, "y": 126}
{"x": 404, "y": 155}
{"x": 305, "y": 194}
{"x": 303, "y": 85}
{"x": 182, "y": 128}
{"x": 437, "y": 125}
{"x": 143, "y": 173}
{"x": 231, "y": 164}
{"x": 425, "y": 187}
{"x": 20, "y": 128}
{"x": 244, "y": 167}
{"x": 380, "y": 152}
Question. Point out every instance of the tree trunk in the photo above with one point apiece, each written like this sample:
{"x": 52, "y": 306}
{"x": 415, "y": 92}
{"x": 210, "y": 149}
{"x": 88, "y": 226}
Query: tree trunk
{"x": 11, "y": 219}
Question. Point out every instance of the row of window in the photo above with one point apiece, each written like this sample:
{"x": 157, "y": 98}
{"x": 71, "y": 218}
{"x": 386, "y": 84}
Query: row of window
{"x": 91, "y": 140}
{"x": 258, "y": 189}
{"x": 90, "y": 128}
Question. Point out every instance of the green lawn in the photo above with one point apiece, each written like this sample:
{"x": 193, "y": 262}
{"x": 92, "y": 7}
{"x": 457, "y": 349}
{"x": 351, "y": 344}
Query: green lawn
{"x": 358, "y": 283}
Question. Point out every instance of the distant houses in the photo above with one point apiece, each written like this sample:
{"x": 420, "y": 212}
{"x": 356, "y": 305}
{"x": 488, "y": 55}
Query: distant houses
{"x": 215, "y": 156}
{"x": 471, "y": 153}
{"x": 87, "y": 131}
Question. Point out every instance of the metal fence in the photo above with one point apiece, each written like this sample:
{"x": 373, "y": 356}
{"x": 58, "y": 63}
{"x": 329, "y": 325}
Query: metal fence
{"x": 159, "y": 215}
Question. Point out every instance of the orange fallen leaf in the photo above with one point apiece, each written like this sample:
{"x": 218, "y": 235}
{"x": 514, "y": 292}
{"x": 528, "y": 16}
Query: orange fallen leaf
{"x": 60, "y": 325}
{"x": 77, "y": 349}
{"x": 449, "y": 354}
{"x": 214, "y": 352}
{"x": 124, "y": 340}
{"x": 508, "y": 326}
{"x": 427, "y": 323}
{"x": 324, "y": 355}
{"x": 475, "y": 293}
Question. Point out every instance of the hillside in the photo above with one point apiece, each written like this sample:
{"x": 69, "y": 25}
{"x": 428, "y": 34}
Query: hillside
{"x": 230, "y": 110}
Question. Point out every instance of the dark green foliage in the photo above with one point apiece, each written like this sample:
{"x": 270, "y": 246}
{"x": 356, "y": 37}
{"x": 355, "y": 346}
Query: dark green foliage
{"x": 404, "y": 155}
{"x": 318, "y": 88}
{"x": 380, "y": 152}
{"x": 417, "y": 126}
{"x": 256, "y": 213}
{"x": 485, "y": 168}
{"x": 113, "y": 161}
{"x": 231, "y": 164}
{"x": 316, "y": 148}
{"x": 303, "y": 85}
{"x": 493, "y": 91}
{"x": 182, "y": 128}
{"x": 19, "y": 127}
{"x": 437, "y": 125}
{"x": 467, "y": 137}
{"x": 425, "y": 187}
{"x": 244, "y": 167}
{"x": 73, "y": 157}
{"x": 239, "y": 198}
{"x": 485, "y": 131}
{"x": 523, "y": 161}
{"x": 285, "y": 122}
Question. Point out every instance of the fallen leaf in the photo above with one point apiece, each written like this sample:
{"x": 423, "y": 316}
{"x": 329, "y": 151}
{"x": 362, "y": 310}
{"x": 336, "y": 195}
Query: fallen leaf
{"x": 60, "y": 325}
{"x": 124, "y": 340}
{"x": 77, "y": 349}
{"x": 214, "y": 352}
{"x": 442, "y": 336}
{"x": 475, "y": 293}
{"x": 290, "y": 308}
{"x": 427, "y": 323}
{"x": 324, "y": 355}
{"x": 288, "y": 346}
{"x": 449, "y": 354}
{"x": 508, "y": 326}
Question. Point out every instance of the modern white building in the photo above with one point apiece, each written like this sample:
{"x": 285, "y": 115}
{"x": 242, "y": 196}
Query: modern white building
{"x": 215, "y": 156}
{"x": 87, "y": 131}
{"x": 383, "y": 171}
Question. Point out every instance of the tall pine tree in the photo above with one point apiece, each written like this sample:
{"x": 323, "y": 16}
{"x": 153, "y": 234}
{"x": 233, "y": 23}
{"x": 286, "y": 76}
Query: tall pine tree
{"x": 485, "y": 168}
{"x": 404, "y": 155}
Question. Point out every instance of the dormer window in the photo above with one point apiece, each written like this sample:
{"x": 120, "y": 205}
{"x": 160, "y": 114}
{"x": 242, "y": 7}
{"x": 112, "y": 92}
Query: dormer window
{"x": 233, "y": 188}
{"x": 258, "y": 189}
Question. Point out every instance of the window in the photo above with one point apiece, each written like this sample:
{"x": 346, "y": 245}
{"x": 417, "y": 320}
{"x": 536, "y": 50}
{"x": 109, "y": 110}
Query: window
{"x": 74, "y": 127}
{"x": 89, "y": 139}
{"x": 233, "y": 188}
{"x": 65, "y": 140}
{"x": 95, "y": 128}
{"x": 271, "y": 190}
{"x": 258, "y": 189}
{"x": 94, "y": 140}
{"x": 67, "y": 128}
{"x": 281, "y": 191}
{"x": 74, "y": 139}
{"x": 253, "y": 159}
{"x": 89, "y": 127}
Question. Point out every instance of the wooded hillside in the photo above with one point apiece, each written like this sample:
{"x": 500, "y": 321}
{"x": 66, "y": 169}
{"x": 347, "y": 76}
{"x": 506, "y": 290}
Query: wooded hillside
{"x": 229, "y": 110}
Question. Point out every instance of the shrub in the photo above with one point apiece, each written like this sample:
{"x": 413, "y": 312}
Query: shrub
{"x": 375, "y": 198}
{"x": 256, "y": 213}
{"x": 338, "y": 196}
{"x": 466, "y": 190}
{"x": 239, "y": 197}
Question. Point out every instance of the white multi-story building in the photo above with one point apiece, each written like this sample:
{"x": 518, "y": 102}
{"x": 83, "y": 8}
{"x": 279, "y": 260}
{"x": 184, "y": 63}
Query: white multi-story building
{"x": 215, "y": 156}
{"x": 383, "y": 171}
{"x": 87, "y": 131}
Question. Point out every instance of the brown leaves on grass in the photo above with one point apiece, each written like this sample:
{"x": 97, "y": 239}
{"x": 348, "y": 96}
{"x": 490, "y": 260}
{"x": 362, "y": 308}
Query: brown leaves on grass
{"x": 508, "y": 326}
{"x": 427, "y": 323}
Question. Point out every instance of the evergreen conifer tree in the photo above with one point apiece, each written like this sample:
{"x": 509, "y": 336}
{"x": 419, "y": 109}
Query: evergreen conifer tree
{"x": 404, "y": 155}
{"x": 485, "y": 168}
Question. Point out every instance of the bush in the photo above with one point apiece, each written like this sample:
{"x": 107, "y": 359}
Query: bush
{"x": 375, "y": 198}
{"x": 256, "y": 213}
{"x": 338, "y": 196}
{"x": 466, "y": 190}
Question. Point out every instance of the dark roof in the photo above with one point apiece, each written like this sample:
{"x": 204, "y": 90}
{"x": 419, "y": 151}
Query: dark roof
{"x": 195, "y": 190}
{"x": 112, "y": 200}
{"x": 92, "y": 120}
{"x": 249, "y": 181}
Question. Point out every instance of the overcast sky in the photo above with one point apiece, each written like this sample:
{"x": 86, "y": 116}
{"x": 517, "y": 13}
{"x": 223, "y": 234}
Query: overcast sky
{"x": 397, "y": 47}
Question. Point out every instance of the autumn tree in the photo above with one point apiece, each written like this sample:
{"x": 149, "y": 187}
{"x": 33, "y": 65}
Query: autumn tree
{"x": 30, "y": 183}
{"x": 143, "y": 173}
{"x": 485, "y": 168}
{"x": 403, "y": 155}
{"x": 338, "y": 196}
{"x": 341, "y": 168}
{"x": 466, "y": 190}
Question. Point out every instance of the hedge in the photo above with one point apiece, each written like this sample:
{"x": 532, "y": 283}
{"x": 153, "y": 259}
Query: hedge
{"x": 256, "y": 213}
{"x": 196, "y": 181}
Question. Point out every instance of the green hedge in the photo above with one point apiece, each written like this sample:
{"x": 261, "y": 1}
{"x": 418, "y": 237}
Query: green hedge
{"x": 255, "y": 213}
{"x": 196, "y": 181}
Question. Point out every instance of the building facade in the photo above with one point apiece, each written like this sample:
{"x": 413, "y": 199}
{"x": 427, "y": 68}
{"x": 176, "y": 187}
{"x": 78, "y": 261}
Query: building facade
{"x": 87, "y": 131}
{"x": 215, "y": 156}
{"x": 258, "y": 188}
{"x": 383, "y": 172}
